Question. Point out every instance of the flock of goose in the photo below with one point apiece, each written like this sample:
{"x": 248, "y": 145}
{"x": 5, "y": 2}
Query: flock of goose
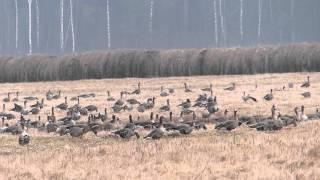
{"x": 156, "y": 126}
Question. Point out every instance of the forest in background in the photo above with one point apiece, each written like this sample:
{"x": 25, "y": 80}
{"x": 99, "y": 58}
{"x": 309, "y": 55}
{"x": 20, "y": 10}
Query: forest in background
{"x": 161, "y": 63}
{"x": 64, "y": 26}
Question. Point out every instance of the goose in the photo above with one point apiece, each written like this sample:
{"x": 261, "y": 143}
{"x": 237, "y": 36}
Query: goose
{"x": 306, "y": 94}
{"x": 74, "y": 98}
{"x": 133, "y": 101}
{"x": 116, "y": 108}
{"x": 63, "y": 106}
{"x": 212, "y": 106}
{"x": 91, "y": 108}
{"x": 57, "y": 96}
{"x": 24, "y": 111}
{"x": 77, "y": 131}
{"x": 36, "y": 124}
{"x": 9, "y": 116}
{"x": 141, "y": 108}
{"x": 17, "y": 107}
{"x": 87, "y": 95}
{"x": 271, "y": 125}
{"x": 186, "y": 89}
{"x": 290, "y": 120}
{"x": 52, "y": 117}
{"x": 229, "y": 124}
{"x": 314, "y": 116}
{"x": 303, "y": 117}
{"x": 200, "y": 104}
{"x": 107, "y": 126}
{"x": 16, "y": 98}
{"x": 49, "y": 95}
{"x": 201, "y": 101}
{"x": 171, "y": 90}
{"x": 212, "y": 101}
{"x": 163, "y": 93}
{"x": 119, "y": 102}
{"x": 222, "y": 118}
{"x": 269, "y": 96}
{"x": 127, "y": 107}
{"x": 166, "y": 107}
{"x": 275, "y": 123}
{"x": 156, "y": 133}
{"x": 34, "y": 111}
{"x": 150, "y": 103}
{"x": 14, "y": 130}
{"x": 110, "y": 98}
{"x": 130, "y": 125}
{"x": 185, "y": 111}
{"x": 196, "y": 124}
{"x": 24, "y": 138}
{"x": 205, "y": 114}
{"x": 247, "y": 97}
{"x": 307, "y": 83}
{"x": 4, "y": 128}
{"x": 249, "y": 120}
{"x": 202, "y": 97}
{"x": 83, "y": 111}
{"x": 169, "y": 124}
{"x": 208, "y": 88}
{"x": 127, "y": 133}
{"x": 38, "y": 104}
{"x": 145, "y": 124}
{"x": 7, "y": 99}
{"x": 137, "y": 91}
{"x": 231, "y": 88}
{"x": 30, "y": 98}
{"x": 186, "y": 104}
{"x": 104, "y": 116}
{"x": 183, "y": 128}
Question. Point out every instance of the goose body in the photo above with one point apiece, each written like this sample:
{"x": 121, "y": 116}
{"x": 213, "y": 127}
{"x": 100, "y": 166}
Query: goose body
{"x": 186, "y": 104}
{"x": 269, "y": 96}
{"x": 91, "y": 108}
{"x": 229, "y": 124}
{"x": 133, "y": 101}
{"x": 158, "y": 132}
{"x": 269, "y": 124}
{"x": 166, "y": 107}
{"x": 231, "y": 88}
{"x": 208, "y": 89}
{"x": 127, "y": 133}
{"x": 247, "y": 98}
{"x": 7, "y": 99}
{"x": 306, "y": 94}
{"x": 307, "y": 83}
{"x": 155, "y": 134}
{"x": 24, "y": 138}
{"x": 186, "y": 88}
{"x": 63, "y": 106}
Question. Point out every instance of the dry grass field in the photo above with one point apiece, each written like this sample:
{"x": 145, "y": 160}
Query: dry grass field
{"x": 292, "y": 153}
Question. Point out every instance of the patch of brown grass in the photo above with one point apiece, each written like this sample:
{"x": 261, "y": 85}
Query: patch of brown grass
{"x": 291, "y": 153}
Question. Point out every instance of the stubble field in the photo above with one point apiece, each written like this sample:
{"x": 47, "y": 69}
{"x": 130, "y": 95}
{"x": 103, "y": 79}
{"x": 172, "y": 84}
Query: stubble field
{"x": 292, "y": 153}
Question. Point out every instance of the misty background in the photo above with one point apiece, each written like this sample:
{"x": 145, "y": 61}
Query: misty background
{"x": 84, "y": 25}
